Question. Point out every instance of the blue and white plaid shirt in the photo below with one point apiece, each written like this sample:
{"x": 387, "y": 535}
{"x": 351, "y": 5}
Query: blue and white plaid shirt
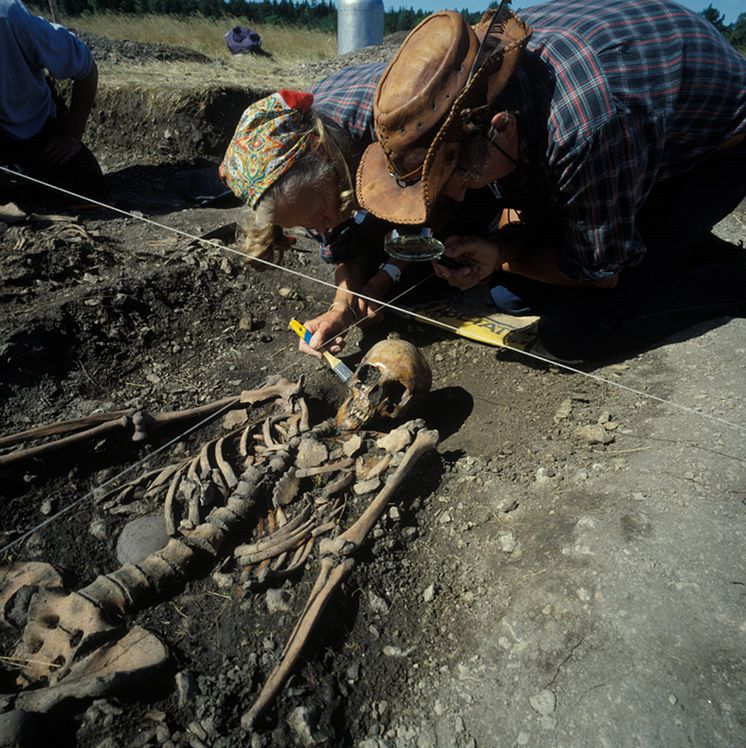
{"x": 346, "y": 100}
{"x": 614, "y": 96}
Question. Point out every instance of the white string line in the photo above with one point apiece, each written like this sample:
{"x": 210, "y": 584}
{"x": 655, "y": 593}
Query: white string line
{"x": 389, "y": 305}
{"x": 174, "y": 440}
{"x": 114, "y": 478}
{"x": 157, "y": 451}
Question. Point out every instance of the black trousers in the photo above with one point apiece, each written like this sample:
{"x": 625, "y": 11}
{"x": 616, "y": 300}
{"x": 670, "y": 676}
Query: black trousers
{"x": 80, "y": 174}
{"x": 686, "y": 276}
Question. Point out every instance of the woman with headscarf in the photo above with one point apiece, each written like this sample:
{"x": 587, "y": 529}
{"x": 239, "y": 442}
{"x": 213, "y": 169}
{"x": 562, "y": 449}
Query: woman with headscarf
{"x": 292, "y": 160}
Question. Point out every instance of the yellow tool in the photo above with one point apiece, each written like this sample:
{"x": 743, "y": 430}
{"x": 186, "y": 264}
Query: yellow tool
{"x": 338, "y": 367}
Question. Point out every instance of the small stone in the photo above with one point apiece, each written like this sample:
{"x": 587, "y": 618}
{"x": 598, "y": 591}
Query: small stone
{"x": 429, "y": 594}
{"x": 278, "y": 601}
{"x": 196, "y": 729}
{"x": 222, "y": 581}
{"x": 543, "y": 702}
{"x": 186, "y": 687}
{"x": 506, "y": 541}
{"x": 287, "y": 293}
{"x": 299, "y": 722}
{"x": 377, "y": 604}
{"x": 394, "y": 514}
{"x": 162, "y": 733}
{"x": 153, "y": 378}
{"x": 563, "y": 411}
{"x": 46, "y": 507}
{"x": 97, "y": 529}
{"x": 366, "y": 486}
{"x": 18, "y": 728}
{"x": 246, "y": 323}
{"x": 141, "y": 537}
{"x": 352, "y": 445}
{"x": 594, "y": 434}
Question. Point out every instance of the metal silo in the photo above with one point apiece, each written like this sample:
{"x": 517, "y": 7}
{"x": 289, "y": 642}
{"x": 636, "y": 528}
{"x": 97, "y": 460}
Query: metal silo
{"x": 359, "y": 24}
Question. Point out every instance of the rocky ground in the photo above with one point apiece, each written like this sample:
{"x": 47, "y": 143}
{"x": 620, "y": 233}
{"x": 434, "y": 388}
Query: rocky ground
{"x": 566, "y": 569}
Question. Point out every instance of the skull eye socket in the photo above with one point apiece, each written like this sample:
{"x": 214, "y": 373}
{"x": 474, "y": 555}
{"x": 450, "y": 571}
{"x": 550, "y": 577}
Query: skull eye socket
{"x": 368, "y": 375}
{"x": 394, "y": 394}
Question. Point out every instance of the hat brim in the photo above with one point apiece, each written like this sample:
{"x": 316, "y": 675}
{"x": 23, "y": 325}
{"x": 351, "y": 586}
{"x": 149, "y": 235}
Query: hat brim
{"x": 379, "y": 193}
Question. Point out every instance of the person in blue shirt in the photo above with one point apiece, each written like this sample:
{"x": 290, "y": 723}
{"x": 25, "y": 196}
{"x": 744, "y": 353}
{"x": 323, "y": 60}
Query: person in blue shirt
{"x": 39, "y": 135}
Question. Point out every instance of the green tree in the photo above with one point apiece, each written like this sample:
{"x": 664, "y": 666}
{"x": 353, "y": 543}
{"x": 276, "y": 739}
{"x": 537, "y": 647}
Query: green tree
{"x": 715, "y": 17}
{"x": 736, "y": 34}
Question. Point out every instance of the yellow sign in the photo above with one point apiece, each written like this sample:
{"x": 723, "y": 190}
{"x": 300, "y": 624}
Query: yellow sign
{"x": 493, "y": 329}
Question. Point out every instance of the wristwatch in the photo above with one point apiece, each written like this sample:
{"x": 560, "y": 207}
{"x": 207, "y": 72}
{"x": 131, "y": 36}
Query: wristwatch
{"x": 393, "y": 271}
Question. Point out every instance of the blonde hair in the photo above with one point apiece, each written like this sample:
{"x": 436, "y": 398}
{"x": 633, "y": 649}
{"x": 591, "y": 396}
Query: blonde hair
{"x": 328, "y": 162}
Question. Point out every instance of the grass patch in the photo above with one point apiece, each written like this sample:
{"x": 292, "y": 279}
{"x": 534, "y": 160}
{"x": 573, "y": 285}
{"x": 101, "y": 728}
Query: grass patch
{"x": 288, "y": 46}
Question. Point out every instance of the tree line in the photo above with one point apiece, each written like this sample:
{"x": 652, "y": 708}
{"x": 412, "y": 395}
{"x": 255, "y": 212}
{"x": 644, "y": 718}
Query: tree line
{"x": 735, "y": 32}
{"x": 315, "y": 14}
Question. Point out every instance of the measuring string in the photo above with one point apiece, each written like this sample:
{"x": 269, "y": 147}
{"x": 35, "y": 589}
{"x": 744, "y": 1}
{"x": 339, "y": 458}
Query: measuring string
{"x": 385, "y": 304}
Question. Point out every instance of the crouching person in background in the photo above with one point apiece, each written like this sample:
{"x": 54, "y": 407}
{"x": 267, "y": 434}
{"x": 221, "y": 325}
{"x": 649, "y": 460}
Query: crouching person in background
{"x": 38, "y": 134}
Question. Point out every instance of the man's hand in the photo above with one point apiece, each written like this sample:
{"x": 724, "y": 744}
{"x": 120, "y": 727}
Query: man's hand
{"x": 60, "y": 148}
{"x": 479, "y": 258}
{"x": 377, "y": 287}
{"x": 326, "y": 328}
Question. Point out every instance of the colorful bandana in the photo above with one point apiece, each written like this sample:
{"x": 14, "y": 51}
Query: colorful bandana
{"x": 271, "y": 136}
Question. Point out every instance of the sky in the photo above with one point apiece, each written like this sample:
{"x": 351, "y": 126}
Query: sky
{"x": 729, "y": 8}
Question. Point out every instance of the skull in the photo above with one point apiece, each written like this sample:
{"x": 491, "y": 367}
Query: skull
{"x": 392, "y": 377}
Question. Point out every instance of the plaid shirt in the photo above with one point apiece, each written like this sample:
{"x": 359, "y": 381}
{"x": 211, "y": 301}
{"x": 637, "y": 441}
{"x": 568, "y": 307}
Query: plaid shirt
{"x": 346, "y": 99}
{"x": 613, "y": 97}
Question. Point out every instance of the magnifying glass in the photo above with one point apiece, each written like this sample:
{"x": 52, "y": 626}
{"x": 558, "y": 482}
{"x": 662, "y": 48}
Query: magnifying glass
{"x": 417, "y": 246}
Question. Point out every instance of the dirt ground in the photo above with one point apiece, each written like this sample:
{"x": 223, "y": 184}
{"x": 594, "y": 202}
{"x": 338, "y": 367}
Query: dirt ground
{"x": 567, "y": 569}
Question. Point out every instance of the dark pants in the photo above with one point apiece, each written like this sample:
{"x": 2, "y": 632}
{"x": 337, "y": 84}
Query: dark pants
{"x": 686, "y": 276}
{"x": 80, "y": 174}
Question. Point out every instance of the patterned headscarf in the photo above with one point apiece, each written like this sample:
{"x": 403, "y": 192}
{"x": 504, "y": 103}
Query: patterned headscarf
{"x": 271, "y": 136}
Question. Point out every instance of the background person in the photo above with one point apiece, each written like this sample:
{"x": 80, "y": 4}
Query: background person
{"x": 616, "y": 136}
{"x": 37, "y": 133}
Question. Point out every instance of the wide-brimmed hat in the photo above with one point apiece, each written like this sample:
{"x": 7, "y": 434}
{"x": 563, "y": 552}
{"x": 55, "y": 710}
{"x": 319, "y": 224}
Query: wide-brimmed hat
{"x": 272, "y": 134}
{"x": 425, "y": 105}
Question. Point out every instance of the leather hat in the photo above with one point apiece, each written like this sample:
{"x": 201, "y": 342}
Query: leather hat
{"x": 444, "y": 75}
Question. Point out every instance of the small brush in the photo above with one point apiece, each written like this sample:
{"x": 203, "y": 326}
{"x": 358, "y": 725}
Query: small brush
{"x": 338, "y": 367}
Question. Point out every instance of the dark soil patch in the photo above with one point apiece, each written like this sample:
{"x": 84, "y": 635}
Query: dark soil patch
{"x": 123, "y": 50}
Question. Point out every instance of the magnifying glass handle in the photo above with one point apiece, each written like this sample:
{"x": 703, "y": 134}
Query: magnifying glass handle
{"x": 449, "y": 262}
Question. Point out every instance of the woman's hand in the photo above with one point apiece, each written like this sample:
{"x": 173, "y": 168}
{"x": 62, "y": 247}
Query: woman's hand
{"x": 479, "y": 257}
{"x": 327, "y": 330}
